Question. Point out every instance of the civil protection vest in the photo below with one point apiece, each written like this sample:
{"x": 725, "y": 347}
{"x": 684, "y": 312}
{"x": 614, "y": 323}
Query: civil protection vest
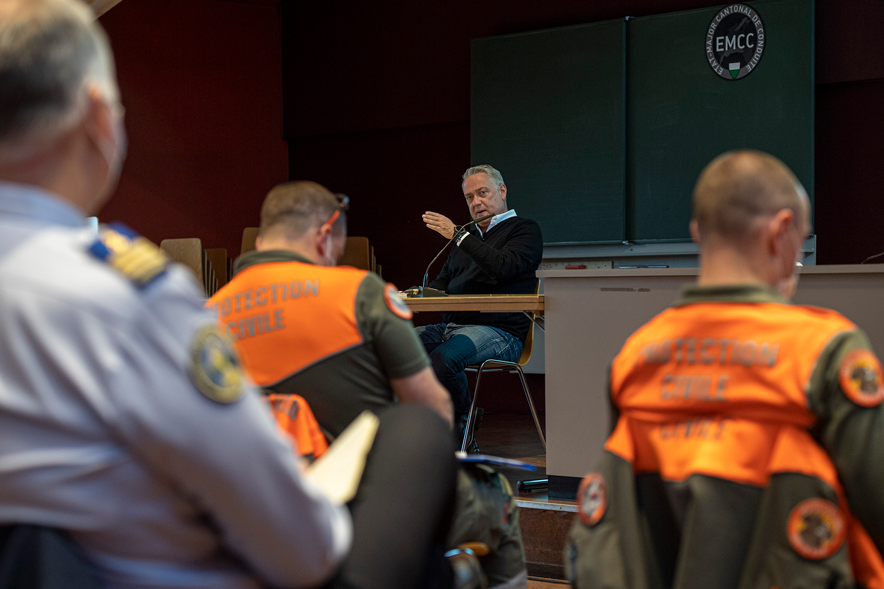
{"x": 266, "y": 305}
{"x": 720, "y": 389}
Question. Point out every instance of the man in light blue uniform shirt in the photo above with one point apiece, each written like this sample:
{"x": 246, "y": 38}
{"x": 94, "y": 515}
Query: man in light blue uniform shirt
{"x": 125, "y": 417}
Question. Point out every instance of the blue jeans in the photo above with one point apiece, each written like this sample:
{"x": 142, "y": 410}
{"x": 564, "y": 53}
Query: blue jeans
{"x": 453, "y": 347}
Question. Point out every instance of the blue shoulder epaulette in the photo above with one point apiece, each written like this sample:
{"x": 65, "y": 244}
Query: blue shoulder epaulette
{"x": 130, "y": 254}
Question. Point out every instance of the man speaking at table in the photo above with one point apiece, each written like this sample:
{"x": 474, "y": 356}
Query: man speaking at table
{"x": 499, "y": 255}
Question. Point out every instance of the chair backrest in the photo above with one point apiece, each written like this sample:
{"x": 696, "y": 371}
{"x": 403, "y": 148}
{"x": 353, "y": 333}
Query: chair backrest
{"x": 528, "y": 346}
{"x": 218, "y": 259}
{"x": 357, "y": 253}
{"x": 249, "y": 235}
{"x": 187, "y": 251}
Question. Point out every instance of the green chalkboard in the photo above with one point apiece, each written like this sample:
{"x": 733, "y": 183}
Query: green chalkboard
{"x": 601, "y": 130}
{"x": 547, "y": 110}
{"x": 680, "y": 114}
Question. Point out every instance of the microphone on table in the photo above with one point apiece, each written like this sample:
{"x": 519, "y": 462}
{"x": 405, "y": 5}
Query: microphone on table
{"x": 458, "y": 230}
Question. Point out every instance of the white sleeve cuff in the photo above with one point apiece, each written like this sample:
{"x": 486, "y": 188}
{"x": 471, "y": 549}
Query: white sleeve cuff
{"x": 462, "y": 237}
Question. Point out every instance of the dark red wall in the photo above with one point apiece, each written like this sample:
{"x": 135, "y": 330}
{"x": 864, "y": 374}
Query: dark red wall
{"x": 201, "y": 82}
{"x": 377, "y": 106}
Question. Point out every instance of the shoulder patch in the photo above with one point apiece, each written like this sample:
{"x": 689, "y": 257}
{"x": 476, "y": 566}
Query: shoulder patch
{"x": 130, "y": 254}
{"x": 395, "y": 302}
{"x": 816, "y": 529}
{"x": 215, "y": 367}
{"x": 862, "y": 379}
{"x": 592, "y": 498}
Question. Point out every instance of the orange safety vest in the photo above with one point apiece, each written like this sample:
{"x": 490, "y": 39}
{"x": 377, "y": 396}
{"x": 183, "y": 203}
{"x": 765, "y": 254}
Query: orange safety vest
{"x": 294, "y": 417}
{"x": 727, "y": 398}
{"x": 257, "y": 307}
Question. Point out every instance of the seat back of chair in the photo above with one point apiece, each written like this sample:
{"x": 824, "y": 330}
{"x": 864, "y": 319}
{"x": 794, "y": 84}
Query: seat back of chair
{"x": 217, "y": 257}
{"x": 187, "y": 251}
{"x": 357, "y": 253}
{"x": 528, "y": 346}
{"x": 249, "y": 236}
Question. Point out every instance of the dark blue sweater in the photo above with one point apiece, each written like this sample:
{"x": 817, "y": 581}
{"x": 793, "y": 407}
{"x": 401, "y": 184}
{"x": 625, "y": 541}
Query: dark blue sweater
{"x": 503, "y": 261}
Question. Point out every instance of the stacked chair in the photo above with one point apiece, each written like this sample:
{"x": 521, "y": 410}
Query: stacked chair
{"x": 358, "y": 253}
{"x": 210, "y": 267}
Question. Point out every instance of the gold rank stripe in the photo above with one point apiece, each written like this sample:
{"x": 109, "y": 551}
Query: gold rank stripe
{"x": 141, "y": 261}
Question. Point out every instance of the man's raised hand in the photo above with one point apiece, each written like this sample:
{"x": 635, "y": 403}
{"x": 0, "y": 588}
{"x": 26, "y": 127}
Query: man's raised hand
{"x": 439, "y": 223}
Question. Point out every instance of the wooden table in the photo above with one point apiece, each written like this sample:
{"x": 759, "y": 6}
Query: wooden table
{"x": 488, "y": 303}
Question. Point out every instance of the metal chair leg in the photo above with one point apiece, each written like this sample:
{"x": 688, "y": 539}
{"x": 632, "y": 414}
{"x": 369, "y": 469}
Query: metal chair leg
{"x": 531, "y": 406}
{"x": 466, "y": 431}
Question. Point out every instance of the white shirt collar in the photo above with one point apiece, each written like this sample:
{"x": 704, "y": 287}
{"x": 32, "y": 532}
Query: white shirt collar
{"x": 498, "y": 219}
{"x": 33, "y": 203}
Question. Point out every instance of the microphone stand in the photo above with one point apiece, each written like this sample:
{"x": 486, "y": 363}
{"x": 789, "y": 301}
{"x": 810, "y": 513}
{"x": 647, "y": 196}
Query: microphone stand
{"x": 458, "y": 231}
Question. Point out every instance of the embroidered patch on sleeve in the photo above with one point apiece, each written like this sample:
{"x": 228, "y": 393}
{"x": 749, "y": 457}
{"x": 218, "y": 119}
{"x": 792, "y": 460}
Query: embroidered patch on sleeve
{"x": 592, "y": 498}
{"x": 130, "y": 254}
{"x": 214, "y": 366}
{"x": 395, "y": 302}
{"x": 862, "y": 379}
{"x": 816, "y": 529}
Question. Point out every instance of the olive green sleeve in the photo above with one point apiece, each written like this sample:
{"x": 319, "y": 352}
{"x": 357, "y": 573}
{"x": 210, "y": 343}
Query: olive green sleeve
{"x": 393, "y": 338}
{"x": 852, "y": 434}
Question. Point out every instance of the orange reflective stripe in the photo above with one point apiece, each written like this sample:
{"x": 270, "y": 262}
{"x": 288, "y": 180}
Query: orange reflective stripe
{"x": 797, "y": 451}
{"x": 737, "y": 450}
{"x": 286, "y": 316}
{"x": 620, "y": 441}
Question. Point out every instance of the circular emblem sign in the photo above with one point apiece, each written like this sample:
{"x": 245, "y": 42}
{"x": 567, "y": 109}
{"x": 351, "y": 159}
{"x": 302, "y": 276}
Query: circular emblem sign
{"x": 816, "y": 529}
{"x": 592, "y": 499}
{"x": 862, "y": 378}
{"x": 735, "y": 41}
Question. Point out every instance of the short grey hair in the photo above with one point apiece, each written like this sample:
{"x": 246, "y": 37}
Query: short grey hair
{"x": 493, "y": 174}
{"x": 51, "y": 51}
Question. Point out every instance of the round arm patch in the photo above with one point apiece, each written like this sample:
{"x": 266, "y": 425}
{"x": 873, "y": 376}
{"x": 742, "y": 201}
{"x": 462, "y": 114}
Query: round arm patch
{"x": 395, "y": 302}
{"x": 592, "y": 498}
{"x": 215, "y": 367}
{"x": 816, "y": 529}
{"x": 862, "y": 379}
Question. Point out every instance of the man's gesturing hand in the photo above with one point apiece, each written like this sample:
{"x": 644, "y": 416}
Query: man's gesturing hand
{"x": 439, "y": 223}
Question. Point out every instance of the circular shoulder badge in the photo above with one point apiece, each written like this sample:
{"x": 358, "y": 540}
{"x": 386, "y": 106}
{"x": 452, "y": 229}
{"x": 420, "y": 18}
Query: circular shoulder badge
{"x": 592, "y": 498}
{"x": 735, "y": 41}
{"x": 816, "y": 529}
{"x": 395, "y": 302}
{"x": 862, "y": 379}
{"x": 215, "y": 367}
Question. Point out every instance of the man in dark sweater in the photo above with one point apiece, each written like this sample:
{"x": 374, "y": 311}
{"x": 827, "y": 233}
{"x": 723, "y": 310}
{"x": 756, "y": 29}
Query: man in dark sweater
{"x": 498, "y": 256}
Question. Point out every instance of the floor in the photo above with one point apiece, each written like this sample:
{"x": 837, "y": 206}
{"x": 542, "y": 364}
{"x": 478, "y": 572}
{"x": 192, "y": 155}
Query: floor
{"x": 515, "y": 436}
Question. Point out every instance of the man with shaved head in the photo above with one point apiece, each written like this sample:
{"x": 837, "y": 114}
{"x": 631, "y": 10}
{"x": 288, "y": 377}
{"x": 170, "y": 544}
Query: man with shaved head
{"x": 749, "y": 432}
{"x": 126, "y": 420}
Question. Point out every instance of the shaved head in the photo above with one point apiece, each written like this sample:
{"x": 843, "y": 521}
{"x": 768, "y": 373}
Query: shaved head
{"x": 738, "y": 190}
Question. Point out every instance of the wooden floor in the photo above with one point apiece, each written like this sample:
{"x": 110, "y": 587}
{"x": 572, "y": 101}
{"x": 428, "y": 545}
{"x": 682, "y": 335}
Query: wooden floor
{"x": 515, "y": 436}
